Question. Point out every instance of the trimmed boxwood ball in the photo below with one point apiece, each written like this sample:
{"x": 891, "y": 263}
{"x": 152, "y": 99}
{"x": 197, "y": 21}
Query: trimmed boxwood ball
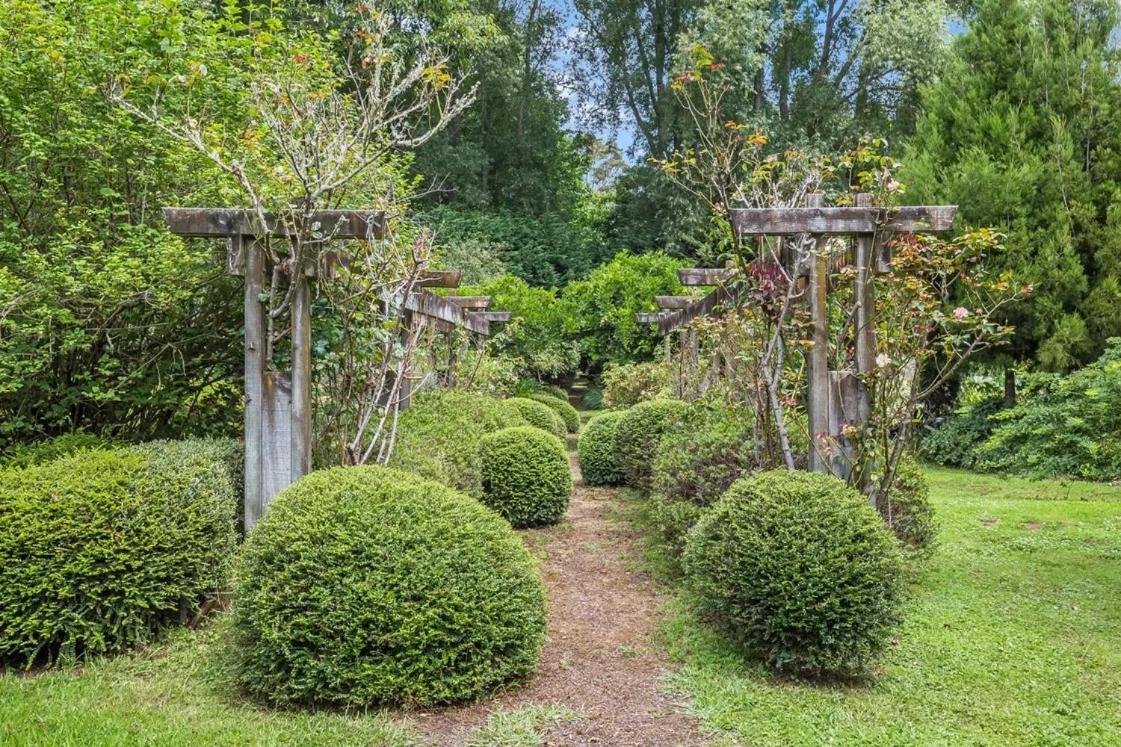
{"x": 640, "y": 432}
{"x": 101, "y": 549}
{"x": 907, "y": 508}
{"x": 568, "y": 413}
{"x": 801, "y": 570}
{"x": 597, "y": 450}
{"x": 540, "y": 415}
{"x": 438, "y": 436}
{"x": 370, "y": 586}
{"x": 526, "y": 477}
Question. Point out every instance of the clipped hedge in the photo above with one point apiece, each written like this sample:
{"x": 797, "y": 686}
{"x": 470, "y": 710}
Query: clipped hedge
{"x": 640, "y": 432}
{"x": 101, "y": 549}
{"x": 694, "y": 465}
{"x": 526, "y": 478}
{"x": 597, "y": 450}
{"x": 561, "y": 407}
{"x": 367, "y": 585}
{"x": 25, "y": 455}
{"x": 799, "y": 568}
{"x": 540, "y": 415}
{"x": 438, "y": 436}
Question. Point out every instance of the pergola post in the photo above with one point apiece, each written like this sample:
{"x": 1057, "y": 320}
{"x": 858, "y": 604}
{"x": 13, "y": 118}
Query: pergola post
{"x": 817, "y": 393}
{"x": 255, "y": 362}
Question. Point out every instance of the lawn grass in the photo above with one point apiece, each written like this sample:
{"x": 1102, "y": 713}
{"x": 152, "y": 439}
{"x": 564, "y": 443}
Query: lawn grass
{"x": 174, "y": 693}
{"x": 1010, "y": 635}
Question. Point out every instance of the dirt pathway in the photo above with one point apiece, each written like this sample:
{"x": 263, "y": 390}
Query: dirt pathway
{"x": 600, "y": 660}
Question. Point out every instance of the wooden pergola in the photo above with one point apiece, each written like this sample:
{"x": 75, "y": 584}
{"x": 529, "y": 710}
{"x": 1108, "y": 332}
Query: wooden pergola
{"x": 278, "y": 403}
{"x": 838, "y": 398}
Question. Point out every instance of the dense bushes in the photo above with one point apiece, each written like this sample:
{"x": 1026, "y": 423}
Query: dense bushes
{"x": 597, "y": 449}
{"x": 100, "y": 549}
{"x": 438, "y": 436}
{"x": 906, "y": 509}
{"x": 695, "y": 464}
{"x": 800, "y": 569}
{"x": 568, "y": 413}
{"x": 640, "y": 431}
{"x": 540, "y": 415}
{"x": 525, "y": 476}
{"x": 366, "y": 585}
{"x": 1062, "y": 426}
{"x": 625, "y": 385}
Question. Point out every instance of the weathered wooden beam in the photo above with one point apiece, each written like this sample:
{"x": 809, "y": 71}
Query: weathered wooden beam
{"x": 300, "y": 412}
{"x": 255, "y": 500}
{"x": 428, "y": 304}
{"x": 817, "y": 400}
{"x": 440, "y": 279}
{"x": 673, "y": 302}
{"x": 700, "y": 307}
{"x": 220, "y": 223}
{"x": 705, "y": 276}
{"x": 496, "y": 316}
{"x": 650, "y": 317}
{"x": 841, "y": 220}
{"x": 471, "y": 303}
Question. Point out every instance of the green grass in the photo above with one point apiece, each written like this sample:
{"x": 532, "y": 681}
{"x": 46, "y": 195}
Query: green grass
{"x": 521, "y": 728}
{"x": 175, "y": 693}
{"x": 1011, "y": 635}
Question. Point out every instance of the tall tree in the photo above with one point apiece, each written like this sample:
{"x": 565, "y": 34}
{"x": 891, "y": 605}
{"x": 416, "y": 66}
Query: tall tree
{"x": 1024, "y": 132}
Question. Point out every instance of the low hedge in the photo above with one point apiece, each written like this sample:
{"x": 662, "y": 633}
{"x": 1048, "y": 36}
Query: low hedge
{"x": 101, "y": 549}
{"x": 438, "y": 436}
{"x": 568, "y": 413}
{"x": 695, "y": 464}
{"x": 25, "y": 455}
{"x": 597, "y": 450}
{"x": 799, "y": 568}
{"x": 526, "y": 478}
{"x": 370, "y": 586}
{"x": 540, "y": 415}
{"x": 640, "y": 432}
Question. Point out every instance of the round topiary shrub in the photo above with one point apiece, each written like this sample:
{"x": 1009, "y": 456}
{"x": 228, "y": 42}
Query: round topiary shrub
{"x": 907, "y": 509}
{"x": 101, "y": 549}
{"x": 640, "y": 432}
{"x": 568, "y": 413}
{"x": 438, "y": 436}
{"x": 799, "y": 568}
{"x": 597, "y": 450}
{"x": 25, "y": 455}
{"x": 540, "y": 415}
{"x": 526, "y": 478}
{"x": 367, "y": 585}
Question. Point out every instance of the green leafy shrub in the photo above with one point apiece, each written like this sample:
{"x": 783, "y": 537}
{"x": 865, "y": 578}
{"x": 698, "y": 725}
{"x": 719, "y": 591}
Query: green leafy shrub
{"x": 568, "y": 413}
{"x": 640, "y": 432}
{"x": 695, "y": 464}
{"x": 540, "y": 415}
{"x": 907, "y": 509}
{"x": 593, "y": 398}
{"x": 101, "y": 549}
{"x": 367, "y": 585}
{"x": 438, "y": 436}
{"x": 625, "y": 385}
{"x": 955, "y": 441}
{"x": 555, "y": 391}
{"x": 526, "y": 478}
{"x": 598, "y": 449}
{"x": 25, "y": 455}
{"x": 800, "y": 569}
{"x": 1062, "y": 426}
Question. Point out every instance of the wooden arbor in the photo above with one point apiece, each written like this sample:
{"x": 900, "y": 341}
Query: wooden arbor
{"x": 834, "y": 399}
{"x": 278, "y": 403}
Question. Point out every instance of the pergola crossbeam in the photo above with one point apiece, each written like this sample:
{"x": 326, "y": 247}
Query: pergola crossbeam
{"x": 841, "y": 220}
{"x": 673, "y": 302}
{"x": 695, "y": 276}
{"x": 220, "y": 223}
{"x": 471, "y": 303}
